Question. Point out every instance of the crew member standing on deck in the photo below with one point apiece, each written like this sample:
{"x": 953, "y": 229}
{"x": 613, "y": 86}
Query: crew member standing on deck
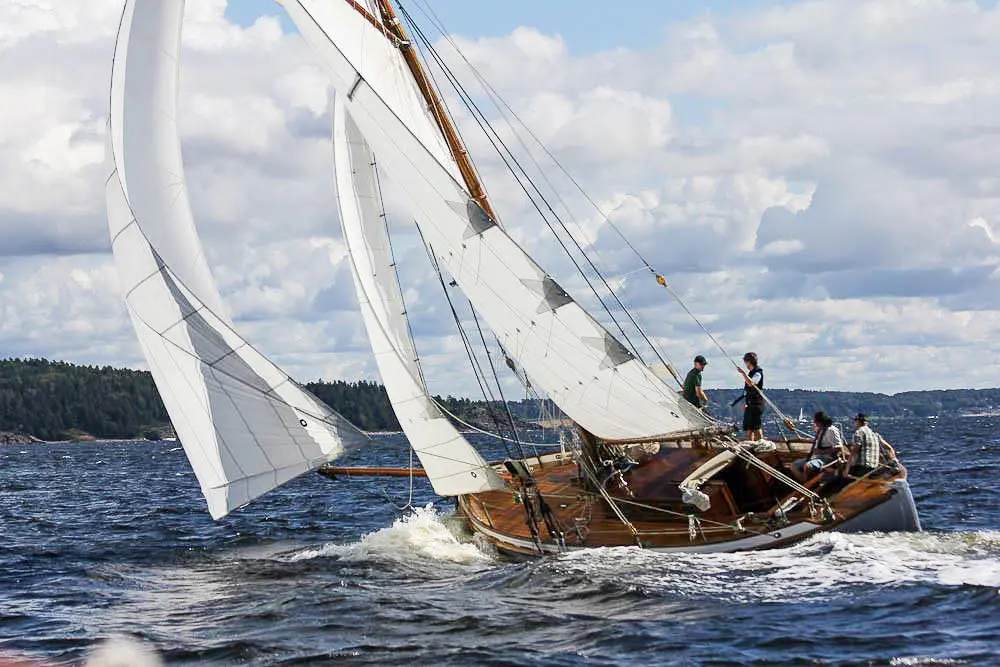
{"x": 692, "y": 384}
{"x": 753, "y": 411}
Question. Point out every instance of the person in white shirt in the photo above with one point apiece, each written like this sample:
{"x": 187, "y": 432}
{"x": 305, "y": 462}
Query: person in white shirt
{"x": 828, "y": 446}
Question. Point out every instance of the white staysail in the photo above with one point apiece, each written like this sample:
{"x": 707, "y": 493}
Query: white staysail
{"x": 452, "y": 465}
{"x": 246, "y": 427}
{"x": 594, "y": 379}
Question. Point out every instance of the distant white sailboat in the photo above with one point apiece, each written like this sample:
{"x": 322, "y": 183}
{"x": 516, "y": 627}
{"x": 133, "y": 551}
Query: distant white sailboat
{"x": 648, "y": 469}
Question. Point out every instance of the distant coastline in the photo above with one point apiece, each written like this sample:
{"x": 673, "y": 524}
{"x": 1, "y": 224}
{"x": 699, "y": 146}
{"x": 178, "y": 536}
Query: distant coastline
{"x": 843, "y": 404}
{"x": 53, "y": 401}
{"x": 10, "y": 439}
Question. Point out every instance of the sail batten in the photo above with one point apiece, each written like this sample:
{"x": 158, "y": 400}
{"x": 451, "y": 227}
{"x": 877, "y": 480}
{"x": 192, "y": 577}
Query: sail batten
{"x": 451, "y": 463}
{"x": 245, "y": 426}
{"x": 564, "y": 350}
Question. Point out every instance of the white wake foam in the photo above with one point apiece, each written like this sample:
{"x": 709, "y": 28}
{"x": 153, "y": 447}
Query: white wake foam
{"x": 122, "y": 652}
{"x": 818, "y": 567}
{"x": 423, "y": 534}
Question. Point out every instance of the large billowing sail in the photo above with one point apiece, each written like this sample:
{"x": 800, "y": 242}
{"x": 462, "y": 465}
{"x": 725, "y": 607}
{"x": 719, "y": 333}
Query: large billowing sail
{"x": 452, "y": 465}
{"x": 246, "y": 427}
{"x": 594, "y": 379}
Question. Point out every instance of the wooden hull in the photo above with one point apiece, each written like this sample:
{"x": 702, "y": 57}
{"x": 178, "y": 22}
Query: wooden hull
{"x": 744, "y": 513}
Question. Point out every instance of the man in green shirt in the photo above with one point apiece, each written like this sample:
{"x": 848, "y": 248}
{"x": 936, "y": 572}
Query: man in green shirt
{"x": 692, "y": 384}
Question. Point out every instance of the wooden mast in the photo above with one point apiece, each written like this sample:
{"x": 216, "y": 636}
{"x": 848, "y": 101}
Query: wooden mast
{"x": 401, "y": 40}
{"x": 437, "y": 108}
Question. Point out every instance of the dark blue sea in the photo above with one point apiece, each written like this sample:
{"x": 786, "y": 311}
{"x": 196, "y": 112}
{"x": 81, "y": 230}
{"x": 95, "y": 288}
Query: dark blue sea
{"x": 112, "y": 539}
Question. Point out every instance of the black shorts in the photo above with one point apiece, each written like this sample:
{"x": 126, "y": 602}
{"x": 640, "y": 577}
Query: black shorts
{"x": 751, "y": 418}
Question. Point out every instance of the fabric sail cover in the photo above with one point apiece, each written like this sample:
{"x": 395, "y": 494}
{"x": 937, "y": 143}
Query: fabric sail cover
{"x": 245, "y": 426}
{"x": 589, "y": 374}
{"x": 452, "y": 465}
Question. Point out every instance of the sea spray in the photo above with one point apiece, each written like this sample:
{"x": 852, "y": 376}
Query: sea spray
{"x": 122, "y": 652}
{"x": 823, "y": 567}
{"x": 422, "y": 534}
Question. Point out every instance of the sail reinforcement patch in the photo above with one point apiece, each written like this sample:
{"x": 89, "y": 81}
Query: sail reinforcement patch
{"x": 479, "y": 220}
{"x": 616, "y": 353}
{"x": 553, "y": 296}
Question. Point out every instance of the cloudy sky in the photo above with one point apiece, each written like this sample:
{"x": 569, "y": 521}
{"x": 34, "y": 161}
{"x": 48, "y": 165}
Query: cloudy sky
{"x": 820, "y": 181}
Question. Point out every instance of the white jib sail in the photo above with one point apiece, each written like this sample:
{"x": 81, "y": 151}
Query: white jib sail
{"x": 586, "y": 370}
{"x": 246, "y": 427}
{"x": 452, "y": 465}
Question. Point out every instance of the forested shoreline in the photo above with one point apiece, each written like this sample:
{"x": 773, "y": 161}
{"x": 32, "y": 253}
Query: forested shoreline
{"x": 56, "y": 400}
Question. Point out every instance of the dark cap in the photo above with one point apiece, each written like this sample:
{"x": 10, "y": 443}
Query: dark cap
{"x": 861, "y": 417}
{"x": 700, "y": 360}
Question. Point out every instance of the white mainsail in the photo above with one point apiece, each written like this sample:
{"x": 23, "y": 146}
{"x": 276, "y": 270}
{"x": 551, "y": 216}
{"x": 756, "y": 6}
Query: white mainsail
{"x": 246, "y": 426}
{"x": 452, "y": 465}
{"x": 594, "y": 379}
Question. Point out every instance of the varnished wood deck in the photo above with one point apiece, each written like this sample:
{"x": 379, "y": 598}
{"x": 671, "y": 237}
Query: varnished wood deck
{"x": 656, "y": 513}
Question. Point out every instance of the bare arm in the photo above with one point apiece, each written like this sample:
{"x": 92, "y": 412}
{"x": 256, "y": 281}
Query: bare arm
{"x": 890, "y": 452}
{"x": 746, "y": 378}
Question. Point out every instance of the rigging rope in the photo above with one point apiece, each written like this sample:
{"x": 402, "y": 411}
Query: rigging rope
{"x": 529, "y": 486}
{"x": 477, "y": 368}
{"x": 662, "y": 281}
{"x": 752, "y": 459}
{"x": 476, "y": 428}
{"x": 396, "y": 350}
{"x": 521, "y": 176}
{"x": 587, "y": 465}
{"x": 501, "y": 106}
{"x": 524, "y": 180}
{"x": 496, "y": 378}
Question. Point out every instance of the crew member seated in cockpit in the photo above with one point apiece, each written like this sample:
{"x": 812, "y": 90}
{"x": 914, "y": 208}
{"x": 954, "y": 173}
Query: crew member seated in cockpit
{"x": 827, "y": 447}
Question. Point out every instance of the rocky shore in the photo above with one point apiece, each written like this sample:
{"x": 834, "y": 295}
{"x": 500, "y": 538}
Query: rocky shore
{"x": 14, "y": 438}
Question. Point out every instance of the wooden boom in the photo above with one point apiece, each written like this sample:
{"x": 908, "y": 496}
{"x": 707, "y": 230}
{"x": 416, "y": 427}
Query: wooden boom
{"x": 362, "y": 471}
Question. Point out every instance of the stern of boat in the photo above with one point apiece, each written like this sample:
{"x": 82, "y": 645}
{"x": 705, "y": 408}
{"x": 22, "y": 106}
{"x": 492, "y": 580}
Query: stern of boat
{"x": 897, "y": 514}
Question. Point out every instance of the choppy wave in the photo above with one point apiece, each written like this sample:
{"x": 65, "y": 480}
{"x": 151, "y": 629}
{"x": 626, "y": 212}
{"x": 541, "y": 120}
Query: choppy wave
{"x": 324, "y": 572}
{"x": 422, "y": 534}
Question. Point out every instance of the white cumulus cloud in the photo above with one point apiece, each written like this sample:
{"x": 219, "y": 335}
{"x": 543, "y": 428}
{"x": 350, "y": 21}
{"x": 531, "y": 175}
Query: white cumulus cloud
{"x": 817, "y": 179}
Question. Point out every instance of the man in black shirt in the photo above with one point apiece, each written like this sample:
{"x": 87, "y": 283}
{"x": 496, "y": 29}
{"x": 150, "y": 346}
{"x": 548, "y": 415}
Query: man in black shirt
{"x": 692, "y": 384}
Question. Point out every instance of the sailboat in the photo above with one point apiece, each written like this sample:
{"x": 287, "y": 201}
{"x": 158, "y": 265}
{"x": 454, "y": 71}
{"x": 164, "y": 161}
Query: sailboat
{"x": 643, "y": 467}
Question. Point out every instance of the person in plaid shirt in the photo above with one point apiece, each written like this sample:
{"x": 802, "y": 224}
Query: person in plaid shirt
{"x": 864, "y": 449}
